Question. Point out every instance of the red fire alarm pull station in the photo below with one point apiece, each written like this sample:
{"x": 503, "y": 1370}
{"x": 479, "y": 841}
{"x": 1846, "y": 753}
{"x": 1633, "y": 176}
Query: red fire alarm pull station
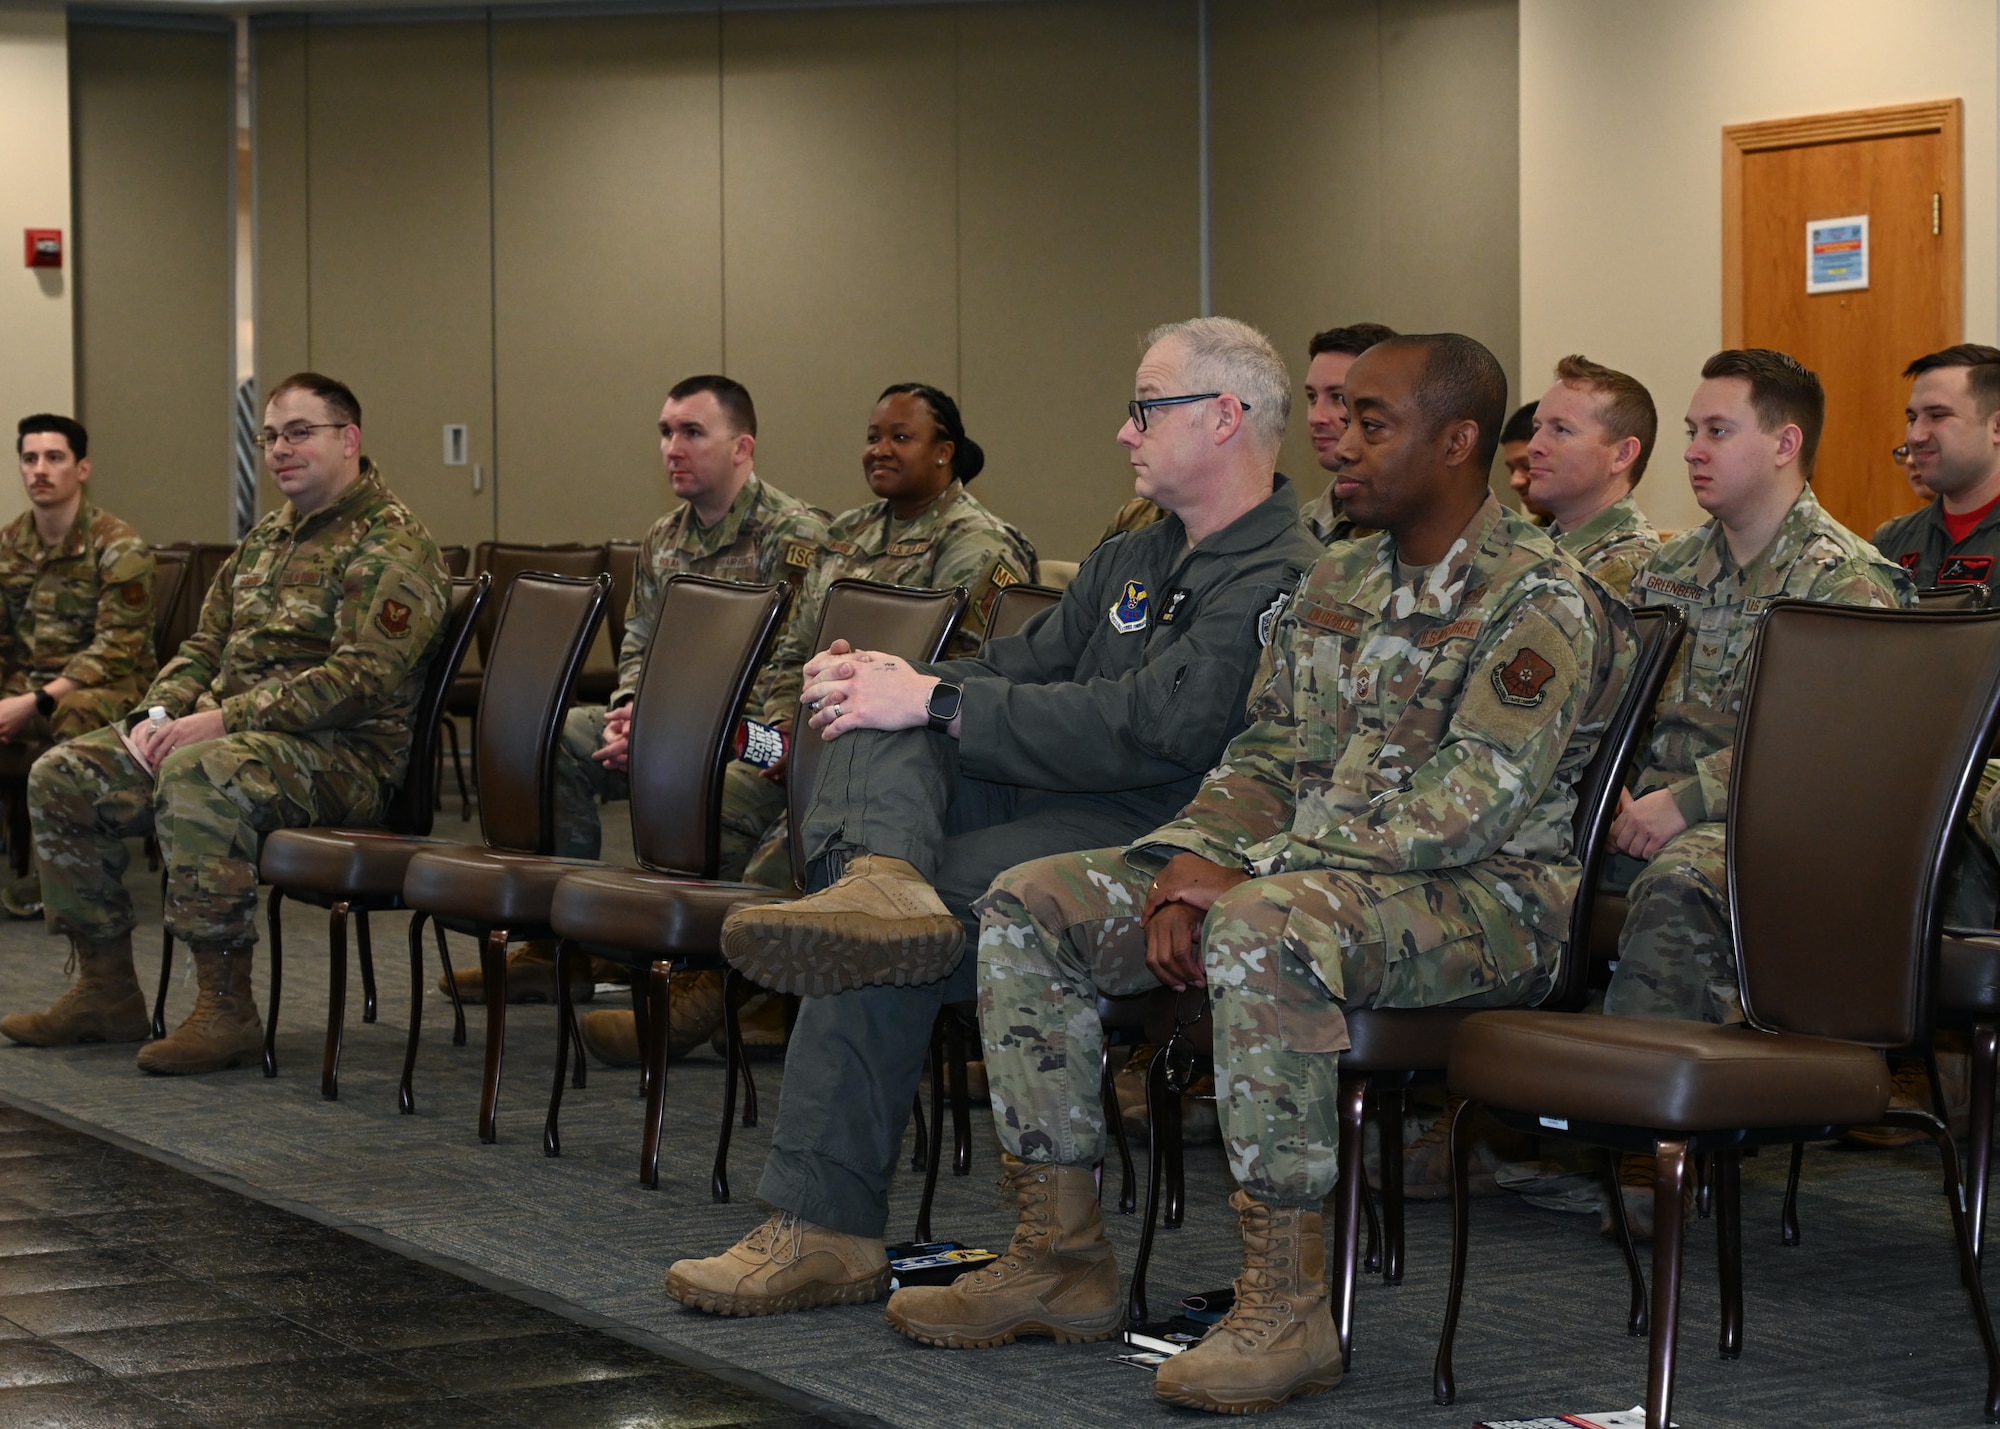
{"x": 44, "y": 247}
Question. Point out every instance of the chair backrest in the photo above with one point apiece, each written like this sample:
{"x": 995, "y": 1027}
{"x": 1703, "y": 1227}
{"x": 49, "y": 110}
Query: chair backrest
{"x": 1013, "y": 607}
{"x": 1859, "y": 749}
{"x": 457, "y": 560}
{"x": 897, "y": 620}
{"x": 710, "y": 639}
{"x": 621, "y": 558}
{"x": 1660, "y": 630}
{"x": 204, "y": 562}
{"x": 546, "y": 624}
{"x": 169, "y": 576}
{"x": 411, "y": 810}
{"x": 1966, "y": 595}
{"x": 504, "y": 560}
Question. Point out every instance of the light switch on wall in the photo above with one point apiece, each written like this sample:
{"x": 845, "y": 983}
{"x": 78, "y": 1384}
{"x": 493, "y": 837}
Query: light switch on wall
{"x": 454, "y": 444}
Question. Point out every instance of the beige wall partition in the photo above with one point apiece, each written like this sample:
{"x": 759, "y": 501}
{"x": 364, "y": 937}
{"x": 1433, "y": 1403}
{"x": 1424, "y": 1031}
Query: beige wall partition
{"x": 37, "y": 362}
{"x": 152, "y": 132}
{"x": 1622, "y": 111}
{"x": 1365, "y": 163}
{"x": 608, "y": 261}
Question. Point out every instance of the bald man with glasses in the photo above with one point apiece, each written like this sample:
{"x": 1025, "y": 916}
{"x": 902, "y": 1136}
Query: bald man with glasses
{"x": 291, "y": 704}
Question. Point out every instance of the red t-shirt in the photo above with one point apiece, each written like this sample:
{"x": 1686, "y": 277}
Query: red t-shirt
{"x": 1959, "y": 527}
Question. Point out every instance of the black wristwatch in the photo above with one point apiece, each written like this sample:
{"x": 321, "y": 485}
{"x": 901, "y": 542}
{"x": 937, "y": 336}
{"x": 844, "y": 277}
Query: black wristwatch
{"x": 45, "y": 703}
{"x": 942, "y": 706}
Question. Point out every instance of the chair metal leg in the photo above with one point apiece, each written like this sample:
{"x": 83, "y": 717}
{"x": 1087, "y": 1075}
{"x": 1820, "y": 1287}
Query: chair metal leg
{"x": 1389, "y": 1127}
{"x": 458, "y": 768}
{"x": 1961, "y": 1224}
{"x": 1726, "y": 1180}
{"x": 493, "y": 966}
{"x": 1788, "y": 1218}
{"x": 659, "y": 1002}
{"x": 1704, "y": 1197}
{"x": 1107, "y": 1095}
{"x": 1444, "y": 1387}
{"x": 961, "y": 1100}
{"x": 732, "y": 1032}
{"x": 551, "y": 1137}
{"x": 336, "y": 1001}
{"x": 277, "y": 983}
{"x": 1352, "y": 1191}
{"x": 450, "y": 982}
{"x": 406, "y": 1101}
{"x": 920, "y": 1140}
{"x": 1156, "y": 1093}
{"x": 739, "y": 1054}
{"x": 1371, "y": 1256}
{"x": 934, "y": 1141}
{"x": 1635, "y": 1317}
{"x": 367, "y": 952}
{"x": 166, "y": 978}
{"x": 1985, "y": 1051}
{"x": 1670, "y": 1173}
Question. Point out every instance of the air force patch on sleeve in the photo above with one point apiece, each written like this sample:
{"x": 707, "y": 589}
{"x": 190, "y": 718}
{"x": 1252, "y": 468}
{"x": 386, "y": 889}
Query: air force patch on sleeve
{"x": 1520, "y": 681}
{"x": 1129, "y": 614}
{"x": 1268, "y": 621}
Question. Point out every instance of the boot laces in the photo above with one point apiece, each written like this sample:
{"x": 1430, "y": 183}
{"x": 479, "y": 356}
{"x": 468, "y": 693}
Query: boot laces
{"x": 1262, "y": 1307}
{"x": 1036, "y": 1226}
{"x": 781, "y": 1239}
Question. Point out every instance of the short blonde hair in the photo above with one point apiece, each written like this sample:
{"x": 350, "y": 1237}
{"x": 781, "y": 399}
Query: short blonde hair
{"x": 1224, "y": 355}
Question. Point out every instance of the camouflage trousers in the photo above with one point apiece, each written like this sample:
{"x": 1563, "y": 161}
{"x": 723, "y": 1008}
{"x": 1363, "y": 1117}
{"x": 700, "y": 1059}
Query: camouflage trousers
{"x": 210, "y": 808}
{"x": 1284, "y": 956}
{"x": 750, "y": 802}
{"x": 1676, "y": 956}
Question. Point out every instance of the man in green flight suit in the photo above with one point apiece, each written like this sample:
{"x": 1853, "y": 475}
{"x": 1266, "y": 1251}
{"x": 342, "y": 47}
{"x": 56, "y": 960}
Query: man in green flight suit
{"x": 76, "y": 647}
{"x": 290, "y": 705}
{"x": 1393, "y": 829}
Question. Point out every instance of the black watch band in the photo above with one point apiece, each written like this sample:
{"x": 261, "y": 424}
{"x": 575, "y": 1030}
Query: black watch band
{"x": 45, "y": 703}
{"x": 941, "y": 707}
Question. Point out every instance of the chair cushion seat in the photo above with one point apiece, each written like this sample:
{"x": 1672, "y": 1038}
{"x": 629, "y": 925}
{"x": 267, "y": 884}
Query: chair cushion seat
{"x": 486, "y": 885}
{"x": 361, "y": 863}
{"x": 652, "y": 913}
{"x": 1666, "y": 1074}
{"x": 1401, "y": 1039}
{"x": 1968, "y": 978}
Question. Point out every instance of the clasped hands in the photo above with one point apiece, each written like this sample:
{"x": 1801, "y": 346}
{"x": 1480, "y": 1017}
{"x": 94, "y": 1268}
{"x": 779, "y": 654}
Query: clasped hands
{"x": 1643, "y": 825}
{"x": 197, "y": 728}
{"x": 1175, "y": 907}
{"x": 850, "y": 689}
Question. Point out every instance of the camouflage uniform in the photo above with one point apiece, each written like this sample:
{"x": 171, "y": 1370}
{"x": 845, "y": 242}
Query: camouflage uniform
{"x": 1674, "y": 954}
{"x": 1402, "y": 800}
{"x": 1328, "y": 522}
{"x": 954, "y": 541}
{"x": 765, "y": 535}
{"x": 1612, "y": 545}
{"x": 313, "y": 642}
{"x": 1088, "y": 727}
{"x": 82, "y": 611}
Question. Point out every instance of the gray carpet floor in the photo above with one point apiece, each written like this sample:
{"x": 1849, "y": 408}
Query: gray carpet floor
{"x": 1864, "y": 1324}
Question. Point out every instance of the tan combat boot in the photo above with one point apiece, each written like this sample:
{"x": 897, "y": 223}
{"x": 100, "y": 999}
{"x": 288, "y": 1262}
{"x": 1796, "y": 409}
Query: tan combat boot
{"x": 1059, "y": 1276}
{"x": 694, "y": 1012}
{"x": 1278, "y": 1340}
{"x": 785, "y": 1264}
{"x": 881, "y": 923}
{"x": 531, "y": 977}
{"x": 224, "y": 1029}
{"x": 104, "y": 1004}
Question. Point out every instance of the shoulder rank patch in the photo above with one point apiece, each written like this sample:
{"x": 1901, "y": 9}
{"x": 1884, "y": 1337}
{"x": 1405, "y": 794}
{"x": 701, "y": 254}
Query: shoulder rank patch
{"x": 1519, "y": 682}
{"x": 1002, "y": 577}
{"x": 1129, "y": 614}
{"x": 133, "y": 594}
{"x": 1268, "y": 621}
{"x": 798, "y": 553}
{"x": 1965, "y": 570}
{"x": 1176, "y": 599}
{"x": 394, "y": 618}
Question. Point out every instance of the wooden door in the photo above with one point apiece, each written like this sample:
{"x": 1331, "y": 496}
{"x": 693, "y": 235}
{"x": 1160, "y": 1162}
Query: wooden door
{"x": 1903, "y": 168}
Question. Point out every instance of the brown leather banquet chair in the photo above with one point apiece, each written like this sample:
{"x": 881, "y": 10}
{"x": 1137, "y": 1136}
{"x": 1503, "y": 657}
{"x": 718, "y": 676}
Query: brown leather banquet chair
{"x": 662, "y": 920}
{"x": 355, "y": 872}
{"x": 1835, "y": 924}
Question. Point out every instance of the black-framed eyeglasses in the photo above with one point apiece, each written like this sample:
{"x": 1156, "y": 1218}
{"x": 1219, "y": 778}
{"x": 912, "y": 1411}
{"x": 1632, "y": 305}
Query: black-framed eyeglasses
{"x": 1900, "y": 455}
{"x": 1180, "y": 1052}
{"x": 294, "y": 434}
{"x": 1137, "y": 408}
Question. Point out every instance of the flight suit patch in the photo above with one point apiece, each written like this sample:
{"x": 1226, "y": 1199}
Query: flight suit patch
{"x": 1268, "y": 621}
{"x": 1965, "y": 570}
{"x": 1909, "y": 560}
{"x": 1129, "y": 612}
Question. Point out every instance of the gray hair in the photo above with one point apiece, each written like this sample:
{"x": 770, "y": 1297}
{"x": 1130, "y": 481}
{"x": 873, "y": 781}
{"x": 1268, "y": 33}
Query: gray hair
{"x": 1224, "y": 355}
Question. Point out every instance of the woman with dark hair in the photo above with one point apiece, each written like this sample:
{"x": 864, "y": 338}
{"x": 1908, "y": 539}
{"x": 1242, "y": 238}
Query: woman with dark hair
{"x": 922, "y": 530}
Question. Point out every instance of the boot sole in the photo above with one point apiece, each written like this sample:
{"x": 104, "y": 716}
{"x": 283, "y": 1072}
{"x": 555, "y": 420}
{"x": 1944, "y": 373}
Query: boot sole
{"x": 217, "y": 1064}
{"x": 88, "y": 1039}
{"x": 1214, "y": 1404}
{"x": 806, "y": 1297}
{"x": 1045, "y": 1329}
{"x": 833, "y": 954}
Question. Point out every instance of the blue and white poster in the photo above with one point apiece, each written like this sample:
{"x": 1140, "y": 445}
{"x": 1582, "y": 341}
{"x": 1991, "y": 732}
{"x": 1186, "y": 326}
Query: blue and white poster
{"x": 1837, "y": 254}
